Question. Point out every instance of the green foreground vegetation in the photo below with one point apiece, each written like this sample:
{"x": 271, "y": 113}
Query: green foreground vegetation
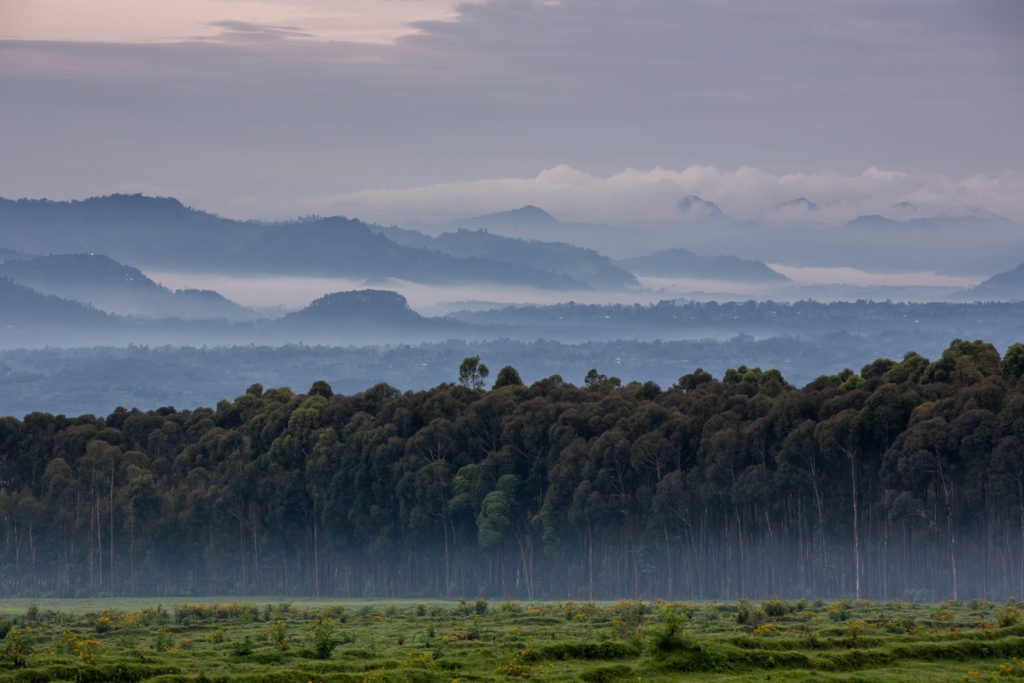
{"x": 474, "y": 640}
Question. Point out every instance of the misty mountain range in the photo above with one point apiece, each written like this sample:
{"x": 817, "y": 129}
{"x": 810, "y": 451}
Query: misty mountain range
{"x": 34, "y": 319}
{"x": 972, "y": 244}
{"x": 683, "y": 263}
{"x": 106, "y": 284}
{"x": 524, "y": 247}
{"x": 71, "y": 275}
{"x": 161, "y": 233}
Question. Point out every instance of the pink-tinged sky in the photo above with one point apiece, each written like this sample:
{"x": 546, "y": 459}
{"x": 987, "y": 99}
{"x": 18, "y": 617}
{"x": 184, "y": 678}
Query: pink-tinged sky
{"x": 134, "y": 21}
{"x": 596, "y": 110}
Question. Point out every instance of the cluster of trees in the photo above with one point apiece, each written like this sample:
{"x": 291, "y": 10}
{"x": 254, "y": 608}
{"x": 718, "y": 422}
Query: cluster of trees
{"x": 904, "y": 480}
{"x": 692, "y": 319}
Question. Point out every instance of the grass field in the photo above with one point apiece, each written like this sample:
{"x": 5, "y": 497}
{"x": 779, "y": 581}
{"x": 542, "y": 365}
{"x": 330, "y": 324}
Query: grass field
{"x": 474, "y": 640}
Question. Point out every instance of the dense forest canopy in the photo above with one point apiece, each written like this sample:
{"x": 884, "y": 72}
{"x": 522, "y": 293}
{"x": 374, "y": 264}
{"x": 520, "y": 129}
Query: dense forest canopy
{"x": 904, "y": 480}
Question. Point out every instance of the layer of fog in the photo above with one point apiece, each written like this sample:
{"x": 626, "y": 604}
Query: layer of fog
{"x": 851, "y": 276}
{"x": 275, "y": 295}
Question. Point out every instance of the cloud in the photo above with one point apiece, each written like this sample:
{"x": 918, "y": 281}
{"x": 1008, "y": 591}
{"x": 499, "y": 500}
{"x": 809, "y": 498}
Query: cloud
{"x": 149, "y": 21}
{"x": 659, "y": 194}
{"x": 500, "y": 89}
{"x": 234, "y": 30}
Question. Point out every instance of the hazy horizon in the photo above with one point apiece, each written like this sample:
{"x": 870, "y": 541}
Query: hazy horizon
{"x": 597, "y": 112}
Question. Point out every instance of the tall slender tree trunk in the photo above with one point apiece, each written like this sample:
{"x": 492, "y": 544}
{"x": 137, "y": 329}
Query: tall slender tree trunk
{"x": 950, "y": 524}
{"x": 111, "y": 539}
{"x": 92, "y": 545}
{"x": 316, "y": 558}
{"x": 32, "y": 558}
{"x": 1020, "y": 500}
{"x": 668, "y": 561}
{"x": 131, "y": 547}
{"x": 590, "y": 559}
{"x": 255, "y": 549}
{"x": 856, "y": 524}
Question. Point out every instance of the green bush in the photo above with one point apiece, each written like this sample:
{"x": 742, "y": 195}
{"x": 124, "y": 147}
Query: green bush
{"x": 242, "y": 647}
{"x": 776, "y": 608}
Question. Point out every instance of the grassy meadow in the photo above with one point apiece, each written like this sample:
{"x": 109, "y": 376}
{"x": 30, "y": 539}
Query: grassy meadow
{"x": 476, "y": 640}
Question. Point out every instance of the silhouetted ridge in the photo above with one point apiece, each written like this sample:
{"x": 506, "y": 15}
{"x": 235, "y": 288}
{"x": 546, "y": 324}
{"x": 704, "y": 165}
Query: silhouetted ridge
{"x": 76, "y": 269}
{"x": 104, "y": 283}
{"x": 873, "y": 221}
{"x": 157, "y": 232}
{"x": 1008, "y": 285}
{"x": 693, "y": 206}
{"x": 528, "y": 215}
{"x": 365, "y": 304}
{"x": 683, "y": 263}
{"x": 23, "y": 307}
{"x": 799, "y": 202}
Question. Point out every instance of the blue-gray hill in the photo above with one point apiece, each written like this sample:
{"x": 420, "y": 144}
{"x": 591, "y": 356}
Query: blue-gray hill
{"x": 157, "y": 232}
{"x": 585, "y": 266}
{"x": 104, "y": 283}
{"x": 1005, "y": 286}
{"x": 683, "y": 263}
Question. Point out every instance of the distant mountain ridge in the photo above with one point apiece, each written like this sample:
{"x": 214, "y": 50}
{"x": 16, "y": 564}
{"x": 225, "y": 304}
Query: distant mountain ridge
{"x": 32, "y": 319}
{"x": 358, "y": 306}
{"x": 1005, "y": 286}
{"x": 683, "y": 263}
{"x": 585, "y": 266}
{"x": 524, "y": 215}
{"x": 106, "y": 284}
{"x": 160, "y": 232}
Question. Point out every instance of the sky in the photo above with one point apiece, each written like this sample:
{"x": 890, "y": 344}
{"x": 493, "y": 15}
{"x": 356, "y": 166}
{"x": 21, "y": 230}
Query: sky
{"x": 596, "y": 110}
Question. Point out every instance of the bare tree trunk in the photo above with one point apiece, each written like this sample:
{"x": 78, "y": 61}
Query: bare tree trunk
{"x": 255, "y": 549}
{"x": 32, "y": 557}
{"x": 131, "y": 547}
{"x": 92, "y": 545}
{"x": 668, "y": 561}
{"x": 856, "y": 525}
{"x": 590, "y": 559}
{"x": 111, "y": 540}
{"x": 316, "y": 559}
{"x": 1020, "y": 499}
{"x": 950, "y": 525}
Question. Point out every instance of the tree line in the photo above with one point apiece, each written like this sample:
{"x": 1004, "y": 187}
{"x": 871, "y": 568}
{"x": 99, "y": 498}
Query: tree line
{"x": 905, "y": 480}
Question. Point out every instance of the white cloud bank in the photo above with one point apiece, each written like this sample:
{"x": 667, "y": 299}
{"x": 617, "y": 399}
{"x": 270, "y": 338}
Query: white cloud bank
{"x": 652, "y": 196}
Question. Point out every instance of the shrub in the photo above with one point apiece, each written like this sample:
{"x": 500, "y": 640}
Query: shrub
{"x": 775, "y": 608}
{"x": 242, "y": 647}
{"x": 163, "y": 641}
{"x": 323, "y": 638}
{"x": 32, "y": 613}
{"x": 1008, "y": 615}
{"x": 279, "y": 635}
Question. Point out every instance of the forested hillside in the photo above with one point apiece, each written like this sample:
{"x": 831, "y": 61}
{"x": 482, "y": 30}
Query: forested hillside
{"x": 905, "y": 480}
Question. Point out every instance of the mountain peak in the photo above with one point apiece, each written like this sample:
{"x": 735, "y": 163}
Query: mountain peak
{"x": 524, "y": 215}
{"x": 693, "y": 207}
{"x": 799, "y": 203}
{"x": 374, "y": 304}
{"x": 872, "y": 221}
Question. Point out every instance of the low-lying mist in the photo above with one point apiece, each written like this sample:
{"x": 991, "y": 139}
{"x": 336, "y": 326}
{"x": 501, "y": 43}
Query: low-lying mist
{"x": 274, "y": 295}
